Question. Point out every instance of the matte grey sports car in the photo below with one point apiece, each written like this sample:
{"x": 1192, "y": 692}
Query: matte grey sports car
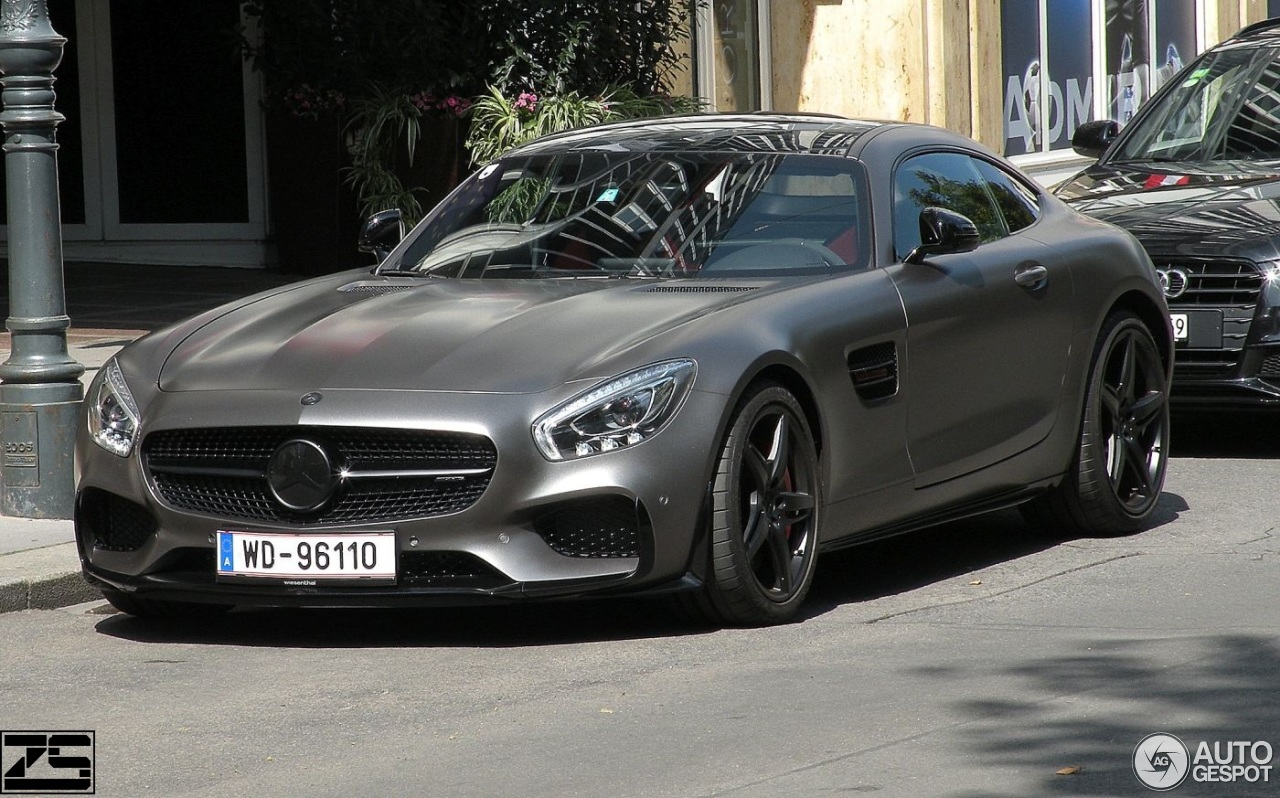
{"x": 677, "y": 356}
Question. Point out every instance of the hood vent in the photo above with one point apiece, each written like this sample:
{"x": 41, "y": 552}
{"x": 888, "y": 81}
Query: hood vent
{"x": 699, "y": 289}
{"x": 374, "y": 288}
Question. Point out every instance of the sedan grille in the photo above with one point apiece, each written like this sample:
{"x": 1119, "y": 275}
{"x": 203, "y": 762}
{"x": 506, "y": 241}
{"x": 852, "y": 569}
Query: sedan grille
{"x": 1231, "y": 286}
{"x": 380, "y": 475}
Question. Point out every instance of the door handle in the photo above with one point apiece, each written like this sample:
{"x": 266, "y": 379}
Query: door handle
{"x": 1031, "y": 276}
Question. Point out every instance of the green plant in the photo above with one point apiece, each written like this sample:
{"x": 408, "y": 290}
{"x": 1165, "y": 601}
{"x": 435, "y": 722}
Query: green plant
{"x": 383, "y": 132}
{"x": 499, "y": 123}
{"x": 375, "y": 66}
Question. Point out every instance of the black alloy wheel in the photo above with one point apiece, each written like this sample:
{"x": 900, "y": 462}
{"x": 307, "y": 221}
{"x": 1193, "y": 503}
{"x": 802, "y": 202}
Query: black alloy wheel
{"x": 1119, "y": 471}
{"x": 1133, "y": 419}
{"x": 766, "y": 501}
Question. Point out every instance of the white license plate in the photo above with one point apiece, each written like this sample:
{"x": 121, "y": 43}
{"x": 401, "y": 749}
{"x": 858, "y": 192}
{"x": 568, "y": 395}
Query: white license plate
{"x": 367, "y": 557}
{"x": 1181, "y": 327}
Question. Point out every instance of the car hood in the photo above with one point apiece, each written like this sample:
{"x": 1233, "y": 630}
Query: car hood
{"x": 505, "y": 336}
{"x": 1189, "y": 213}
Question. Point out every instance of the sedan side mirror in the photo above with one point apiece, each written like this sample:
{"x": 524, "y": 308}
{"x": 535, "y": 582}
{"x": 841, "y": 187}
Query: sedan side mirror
{"x": 944, "y": 232}
{"x": 381, "y": 232}
{"x": 1092, "y": 139}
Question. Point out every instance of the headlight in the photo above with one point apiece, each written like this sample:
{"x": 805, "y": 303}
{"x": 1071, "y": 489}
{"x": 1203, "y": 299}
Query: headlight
{"x": 113, "y": 419}
{"x": 622, "y": 412}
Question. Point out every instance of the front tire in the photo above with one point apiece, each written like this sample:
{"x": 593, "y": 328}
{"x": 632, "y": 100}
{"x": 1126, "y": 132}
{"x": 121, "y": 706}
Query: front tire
{"x": 1118, "y": 472}
{"x": 766, "y": 502}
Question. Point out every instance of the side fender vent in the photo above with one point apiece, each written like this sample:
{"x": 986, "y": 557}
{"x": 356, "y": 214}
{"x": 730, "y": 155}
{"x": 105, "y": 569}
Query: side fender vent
{"x": 874, "y": 371}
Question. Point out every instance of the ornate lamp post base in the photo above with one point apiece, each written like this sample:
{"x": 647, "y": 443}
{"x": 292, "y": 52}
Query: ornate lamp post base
{"x": 39, "y": 383}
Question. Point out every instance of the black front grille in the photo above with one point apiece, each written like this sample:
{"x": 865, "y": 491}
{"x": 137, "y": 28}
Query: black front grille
{"x": 1270, "y": 366}
{"x": 608, "y": 526}
{"x": 448, "y": 569}
{"x": 1205, "y": 362}
{"x": 222, "y": 472}
{"x": 1217, "y": 283}
{"x": 201, "y": 562}
{"x": 114, "y": 524}
{"x": 1231, "y": 286}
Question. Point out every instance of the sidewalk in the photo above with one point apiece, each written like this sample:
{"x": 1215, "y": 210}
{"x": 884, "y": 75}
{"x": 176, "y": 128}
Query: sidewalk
{"x": 109, "y": 305}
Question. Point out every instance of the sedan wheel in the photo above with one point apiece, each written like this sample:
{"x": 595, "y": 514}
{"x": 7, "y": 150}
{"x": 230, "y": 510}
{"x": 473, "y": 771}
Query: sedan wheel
{"x": 765, "y": 508}
{"x": 1124, "y": 439}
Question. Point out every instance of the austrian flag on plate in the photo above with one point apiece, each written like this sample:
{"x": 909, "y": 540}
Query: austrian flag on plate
{"x": 1155, "y": 181}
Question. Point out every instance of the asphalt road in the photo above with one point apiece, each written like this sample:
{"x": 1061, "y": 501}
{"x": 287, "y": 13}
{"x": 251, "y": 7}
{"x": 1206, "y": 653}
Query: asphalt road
{"x": 971, "y": 660}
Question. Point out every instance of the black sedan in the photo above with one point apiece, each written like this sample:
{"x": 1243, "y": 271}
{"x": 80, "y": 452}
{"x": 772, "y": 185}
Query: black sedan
{"x": 679, "y": 356}
{"x": 1196, "y": 177}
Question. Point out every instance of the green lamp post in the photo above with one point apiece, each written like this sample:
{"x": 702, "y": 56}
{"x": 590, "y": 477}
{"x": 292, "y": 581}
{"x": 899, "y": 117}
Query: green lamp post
{"x": 40, "y": 382}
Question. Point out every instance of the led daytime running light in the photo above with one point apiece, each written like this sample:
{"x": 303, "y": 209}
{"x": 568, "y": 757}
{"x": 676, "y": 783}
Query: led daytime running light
{"x": 113, "y": 420}
{"x": 645, "y": 399}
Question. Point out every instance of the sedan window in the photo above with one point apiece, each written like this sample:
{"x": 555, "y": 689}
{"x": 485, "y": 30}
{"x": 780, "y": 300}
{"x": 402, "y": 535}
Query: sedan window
{"x": 1225, "y": 109}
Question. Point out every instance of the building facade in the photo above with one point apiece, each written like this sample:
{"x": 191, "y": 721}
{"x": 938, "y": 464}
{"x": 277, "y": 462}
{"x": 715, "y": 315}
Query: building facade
{"x": 164, "y": 152}
{"x": 1017, "y": 75}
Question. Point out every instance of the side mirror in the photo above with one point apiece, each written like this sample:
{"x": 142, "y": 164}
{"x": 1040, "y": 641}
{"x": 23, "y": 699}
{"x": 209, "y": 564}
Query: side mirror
{"x": 381, "y": 232}
{"x": 1092, "y": 139}
{"x": 944, "y": 232}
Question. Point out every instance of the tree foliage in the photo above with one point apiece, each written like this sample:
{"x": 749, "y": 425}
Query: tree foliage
{"x": 389, "y": 68}
{"x": 585, "y": 45}
{"x": 448, "y": 47}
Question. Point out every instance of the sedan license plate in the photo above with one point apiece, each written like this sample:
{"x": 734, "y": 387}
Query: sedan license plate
{"x": 1197, "y": 329}
{"x": 364, "y": 558}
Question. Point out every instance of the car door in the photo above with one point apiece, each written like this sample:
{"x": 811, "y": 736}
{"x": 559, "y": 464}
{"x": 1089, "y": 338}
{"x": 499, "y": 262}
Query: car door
{"x": 988, "y": 331}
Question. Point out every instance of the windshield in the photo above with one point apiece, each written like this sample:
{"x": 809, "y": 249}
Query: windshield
{"x": 645, "y": 214}
{"x": 1226, "y": 108}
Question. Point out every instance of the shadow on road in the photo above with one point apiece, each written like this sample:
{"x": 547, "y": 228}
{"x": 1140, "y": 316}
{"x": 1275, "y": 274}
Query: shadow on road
{"x": 859, "y": 574}
{"x": 1215, "y": 688}
{"x": 1233, "y": 434}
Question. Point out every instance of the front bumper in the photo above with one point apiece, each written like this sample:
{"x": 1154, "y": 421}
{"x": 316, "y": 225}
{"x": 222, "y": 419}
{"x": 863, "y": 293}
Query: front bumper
{"x": 1252, "y": 382}
{"x": 534, "y": 532}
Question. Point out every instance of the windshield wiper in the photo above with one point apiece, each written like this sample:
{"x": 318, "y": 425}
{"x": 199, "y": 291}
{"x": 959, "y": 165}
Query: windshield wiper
{"x": 1149, "y": 159}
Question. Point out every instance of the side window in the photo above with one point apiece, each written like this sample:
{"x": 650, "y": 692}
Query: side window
{"x": 1018, "y": 203}
{"x": 942, "y": 180}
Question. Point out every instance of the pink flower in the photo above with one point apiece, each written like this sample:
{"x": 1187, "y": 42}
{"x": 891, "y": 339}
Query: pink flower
{"x": 527, "y": 101}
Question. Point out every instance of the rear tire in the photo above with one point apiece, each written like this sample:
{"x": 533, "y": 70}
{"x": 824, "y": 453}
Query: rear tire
{"x": 765, "y": 506}
{"x": 1118, "y": 471}
{"x": 163, "y": 610}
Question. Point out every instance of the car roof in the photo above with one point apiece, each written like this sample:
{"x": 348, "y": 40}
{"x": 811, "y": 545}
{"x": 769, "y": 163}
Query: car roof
{"x": 1266, "y": 30}
{"x": 761, "y": 132}
{"x": 818, "y": 134}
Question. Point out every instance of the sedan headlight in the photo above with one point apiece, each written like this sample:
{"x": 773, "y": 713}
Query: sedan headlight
{"x": 113, "y": 419}
{"x": 624, "y": 411}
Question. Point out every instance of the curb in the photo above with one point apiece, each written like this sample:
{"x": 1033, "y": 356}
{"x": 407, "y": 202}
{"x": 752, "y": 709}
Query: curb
{"x": 57, "y": 581}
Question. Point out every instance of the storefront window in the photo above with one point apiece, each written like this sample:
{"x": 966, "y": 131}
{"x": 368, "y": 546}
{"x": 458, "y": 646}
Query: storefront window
{"x": 732, "y": 54}
{"x": 1069, "y": 61}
